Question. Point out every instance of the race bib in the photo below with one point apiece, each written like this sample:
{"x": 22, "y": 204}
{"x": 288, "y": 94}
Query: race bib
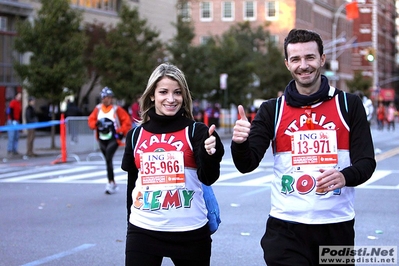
{"x": 162, "y": 170}
{"x": 314, "y": 149}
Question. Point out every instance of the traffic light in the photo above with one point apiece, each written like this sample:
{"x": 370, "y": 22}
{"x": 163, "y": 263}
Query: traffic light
{"x": 370, "y": 54}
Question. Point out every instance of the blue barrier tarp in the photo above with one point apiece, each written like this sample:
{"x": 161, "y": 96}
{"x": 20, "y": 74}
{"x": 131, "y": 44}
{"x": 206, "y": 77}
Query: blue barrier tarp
{"x": 30, "y": 125}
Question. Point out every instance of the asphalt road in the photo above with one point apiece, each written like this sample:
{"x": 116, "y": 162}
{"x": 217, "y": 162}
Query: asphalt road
{"x": 58, "y": 214}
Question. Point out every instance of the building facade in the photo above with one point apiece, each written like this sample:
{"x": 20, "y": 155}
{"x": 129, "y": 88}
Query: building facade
{"x": 160, "y": 14}
{"x": 346, "y": 38}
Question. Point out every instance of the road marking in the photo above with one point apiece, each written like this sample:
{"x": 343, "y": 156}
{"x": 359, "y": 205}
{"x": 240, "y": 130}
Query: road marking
{"x": 45, "y": 175}
{"x": 387, "y": 154}
{"x": 59, "y": 255}
{"x": 80, "y": 176}
{"x": 95, "y": 173}
{"x": 375, "y": 177}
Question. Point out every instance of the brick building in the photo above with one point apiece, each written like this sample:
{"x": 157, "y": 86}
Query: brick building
{"x": 346, "y": 40}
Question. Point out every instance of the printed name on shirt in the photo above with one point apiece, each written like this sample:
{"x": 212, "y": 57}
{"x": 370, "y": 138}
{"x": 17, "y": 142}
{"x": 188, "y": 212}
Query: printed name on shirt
{"x": 150, "y": 200}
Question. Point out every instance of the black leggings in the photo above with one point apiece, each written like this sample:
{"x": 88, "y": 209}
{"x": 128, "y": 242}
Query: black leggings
{"x": 108, "y": 149}
{"x": 135, "y": 258}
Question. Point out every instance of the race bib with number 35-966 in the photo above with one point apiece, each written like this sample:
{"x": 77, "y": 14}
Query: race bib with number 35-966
{"x": 162, "y": 170}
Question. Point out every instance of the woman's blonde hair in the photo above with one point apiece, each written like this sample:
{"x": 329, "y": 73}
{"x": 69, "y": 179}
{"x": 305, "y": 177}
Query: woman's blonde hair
{"x": 170, "y": 71}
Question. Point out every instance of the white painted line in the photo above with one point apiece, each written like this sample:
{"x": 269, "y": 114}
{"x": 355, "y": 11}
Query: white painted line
{"x": 82, "y": 176}
{"x": 25, "y": 172}
{"x": 258, "y": 181}
{"x": 380, "y": 187}
{"x": 59, "y": 255}
{"x": 52, "y": 173}
{"x": 376, "y": 176}
{"x": 233, "y": 175}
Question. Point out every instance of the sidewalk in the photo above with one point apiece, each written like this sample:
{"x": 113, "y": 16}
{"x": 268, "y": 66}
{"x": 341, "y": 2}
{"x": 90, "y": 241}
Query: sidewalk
{"x": 42, "y": 144}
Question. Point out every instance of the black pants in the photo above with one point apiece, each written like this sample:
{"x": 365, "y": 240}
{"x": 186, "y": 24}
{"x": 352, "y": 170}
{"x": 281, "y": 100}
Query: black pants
{"x": 139, "y": 258}
{"x": 147, "y": 247}
{"x": 108, "y": 149}
{"x": 287, "y": 243}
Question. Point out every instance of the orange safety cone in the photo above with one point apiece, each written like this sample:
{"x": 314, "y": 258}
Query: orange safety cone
{"x": 62, "y": 141}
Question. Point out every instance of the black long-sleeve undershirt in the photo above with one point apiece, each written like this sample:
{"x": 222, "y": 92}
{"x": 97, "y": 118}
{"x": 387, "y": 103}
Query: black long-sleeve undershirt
{"x": 249, "y": 154}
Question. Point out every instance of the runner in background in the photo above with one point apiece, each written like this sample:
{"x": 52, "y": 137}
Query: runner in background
{"x": 111, "y": 123}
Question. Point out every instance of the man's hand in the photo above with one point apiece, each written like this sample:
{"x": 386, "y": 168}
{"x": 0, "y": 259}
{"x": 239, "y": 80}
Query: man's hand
{"x": 330, "y": 180}
{"x": 210, "y": 143}
{"x": 242, "y": 127}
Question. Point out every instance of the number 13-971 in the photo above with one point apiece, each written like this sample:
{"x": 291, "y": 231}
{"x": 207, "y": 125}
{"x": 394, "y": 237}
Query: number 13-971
{"x": 313, "y": 142}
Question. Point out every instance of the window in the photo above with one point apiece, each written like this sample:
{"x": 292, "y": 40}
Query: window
{"x": 228, "y": 11}
{"x": 250, "y": 10}
{"x": 206, "y": 11}
{"x": 185, "y": 11}
{"x": 204, "y": 39}
{"x": 3, "y": 23}
{"x": 271, "y": 10}
{"x": 274, "y": 39}
{"x": 106, "y": 5}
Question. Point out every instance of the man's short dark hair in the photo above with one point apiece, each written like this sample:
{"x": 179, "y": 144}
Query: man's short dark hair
{"x": 300, "y": 35}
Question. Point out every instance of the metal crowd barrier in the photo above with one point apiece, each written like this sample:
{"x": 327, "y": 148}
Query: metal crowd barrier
{"x": 80, "y": 138}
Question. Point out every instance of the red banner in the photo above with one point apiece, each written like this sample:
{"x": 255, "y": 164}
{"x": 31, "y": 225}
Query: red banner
{"x": 387, "y": 95}
{"x": 352, "y": 10}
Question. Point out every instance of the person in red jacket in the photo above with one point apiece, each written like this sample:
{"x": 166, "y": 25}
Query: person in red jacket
{"x": 380, "y": 116}
{"x": 14, "y": 118}
{"x": 135, "y": 108}
{"x": 111, "y": 123}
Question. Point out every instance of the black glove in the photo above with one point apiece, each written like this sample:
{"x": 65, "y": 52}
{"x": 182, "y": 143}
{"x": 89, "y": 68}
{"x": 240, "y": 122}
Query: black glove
{"x": 119, "y": 135}
{"x": 98, "y": 124}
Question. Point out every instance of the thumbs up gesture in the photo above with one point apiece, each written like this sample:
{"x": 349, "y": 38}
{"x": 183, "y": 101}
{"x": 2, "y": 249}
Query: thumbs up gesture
{"x": 210, "y": 142}
{"x": 242, "y": 127}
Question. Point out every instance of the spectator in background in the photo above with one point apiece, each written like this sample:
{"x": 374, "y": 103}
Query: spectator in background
{"x": 391, "y": 113}
{"x": 197, "y": 111}
{"x": 30, "y": 117}
{"x": 135, "y": 111}
{"x": 213, "y": 113}
{"x": 368, "y": 105}
{"x": 380, "y": 116}
{"x": 14, "y": 118}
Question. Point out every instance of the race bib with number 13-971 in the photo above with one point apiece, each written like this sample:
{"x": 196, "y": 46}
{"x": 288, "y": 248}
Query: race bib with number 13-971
{"x": 314, "y": 149}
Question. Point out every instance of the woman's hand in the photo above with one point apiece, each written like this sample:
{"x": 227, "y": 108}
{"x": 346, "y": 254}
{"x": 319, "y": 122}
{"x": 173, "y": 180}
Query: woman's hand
{"x": 210, "y": 142}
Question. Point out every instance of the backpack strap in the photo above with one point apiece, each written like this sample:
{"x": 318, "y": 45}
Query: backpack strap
{"x": 193, "y": 129}
{"x": 346, "y": 102}
{"x": 134, "y": 137}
